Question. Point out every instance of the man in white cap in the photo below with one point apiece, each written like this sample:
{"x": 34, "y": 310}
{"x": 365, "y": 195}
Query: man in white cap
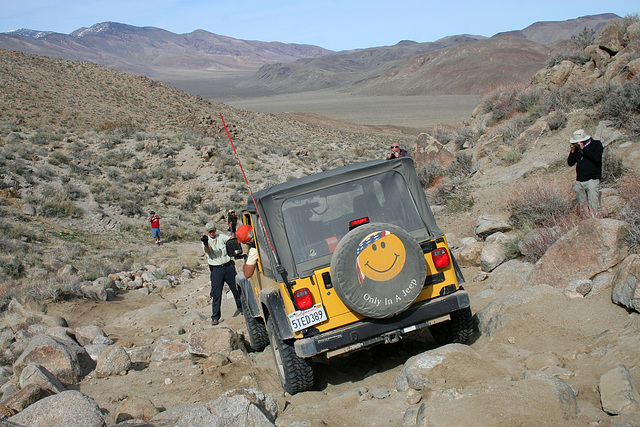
{"x": 586, "y": 154}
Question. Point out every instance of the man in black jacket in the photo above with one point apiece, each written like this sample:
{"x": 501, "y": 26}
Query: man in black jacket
{"x": 586, "y": 154}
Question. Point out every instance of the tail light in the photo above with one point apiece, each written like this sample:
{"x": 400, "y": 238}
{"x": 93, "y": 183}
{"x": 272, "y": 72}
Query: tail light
{"x": 303, "y": 298}
{"x": 440, "y": 258}
{"x": 357, "y": 222}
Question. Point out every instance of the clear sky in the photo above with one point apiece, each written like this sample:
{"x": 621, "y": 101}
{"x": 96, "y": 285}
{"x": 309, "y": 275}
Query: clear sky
{"x": 332, "y": 24}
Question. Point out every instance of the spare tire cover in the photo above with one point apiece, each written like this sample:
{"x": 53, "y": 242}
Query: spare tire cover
{"x": 378, "y": 270}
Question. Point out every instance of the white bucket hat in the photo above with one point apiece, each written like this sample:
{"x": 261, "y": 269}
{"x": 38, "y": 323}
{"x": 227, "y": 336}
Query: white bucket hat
{"x": 579, "y": 136}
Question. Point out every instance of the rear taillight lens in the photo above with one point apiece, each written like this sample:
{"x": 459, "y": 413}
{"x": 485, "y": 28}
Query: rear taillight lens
{"x": 357, "y": 222}
{"x": 440, "y": 258}
{"x": 303, "y": 298}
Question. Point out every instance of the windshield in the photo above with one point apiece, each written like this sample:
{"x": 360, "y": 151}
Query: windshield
{"x": 316, "y": 221}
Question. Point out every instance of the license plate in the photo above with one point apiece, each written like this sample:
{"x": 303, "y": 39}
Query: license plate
{"x": 309, "y": 317}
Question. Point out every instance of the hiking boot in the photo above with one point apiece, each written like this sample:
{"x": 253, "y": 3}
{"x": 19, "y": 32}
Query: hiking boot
{"x": 238, "y": 311}
{"x": 215, "y": 322}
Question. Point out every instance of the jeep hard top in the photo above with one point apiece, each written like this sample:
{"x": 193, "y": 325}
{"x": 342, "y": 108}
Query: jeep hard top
{"x": 348, "y": 258}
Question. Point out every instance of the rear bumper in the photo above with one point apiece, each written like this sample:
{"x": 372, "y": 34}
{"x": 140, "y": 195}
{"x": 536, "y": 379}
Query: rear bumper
{"x": 373, "y": 331}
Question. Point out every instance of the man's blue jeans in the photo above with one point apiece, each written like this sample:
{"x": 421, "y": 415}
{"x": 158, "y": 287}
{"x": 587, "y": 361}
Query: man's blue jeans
{"x": 219, "y": 275}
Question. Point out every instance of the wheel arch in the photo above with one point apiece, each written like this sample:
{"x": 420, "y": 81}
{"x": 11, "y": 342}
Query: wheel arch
{"x": 273, "y": 307}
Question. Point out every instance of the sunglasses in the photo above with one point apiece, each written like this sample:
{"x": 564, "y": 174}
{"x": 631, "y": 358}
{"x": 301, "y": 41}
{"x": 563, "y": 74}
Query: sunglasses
{"x": 395, "y": 146}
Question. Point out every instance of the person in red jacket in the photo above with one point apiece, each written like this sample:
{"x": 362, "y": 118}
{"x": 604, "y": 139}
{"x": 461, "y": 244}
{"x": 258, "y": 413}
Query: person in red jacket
{"x": 155, "y": 226}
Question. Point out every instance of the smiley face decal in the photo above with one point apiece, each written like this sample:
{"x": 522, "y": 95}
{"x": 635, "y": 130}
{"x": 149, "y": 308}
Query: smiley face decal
{"x": 380, "y": 256}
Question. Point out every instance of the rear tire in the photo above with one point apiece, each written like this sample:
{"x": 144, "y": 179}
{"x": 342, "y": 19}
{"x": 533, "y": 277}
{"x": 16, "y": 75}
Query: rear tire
{"x": 296, "y": 373}
{"x": 457, "y": 330}
{"x": 258, "y": 336}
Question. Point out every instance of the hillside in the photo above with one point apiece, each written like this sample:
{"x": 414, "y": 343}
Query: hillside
{"x": 549, "y": 32}
{"x": 468, "y": 68}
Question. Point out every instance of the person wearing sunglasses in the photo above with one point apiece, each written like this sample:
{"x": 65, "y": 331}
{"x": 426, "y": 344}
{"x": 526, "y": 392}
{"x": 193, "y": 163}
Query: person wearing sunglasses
{"x": 396, "y": 152}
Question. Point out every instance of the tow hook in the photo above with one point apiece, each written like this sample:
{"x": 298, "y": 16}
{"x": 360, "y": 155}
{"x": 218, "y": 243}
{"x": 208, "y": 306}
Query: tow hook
{"x": 392, "y": 337}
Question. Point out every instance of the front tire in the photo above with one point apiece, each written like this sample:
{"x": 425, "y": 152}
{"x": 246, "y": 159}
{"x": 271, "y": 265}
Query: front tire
{"x": 457, "y": 330}
{"x": 296, "y": 373}
{"x": 258, "y": 336}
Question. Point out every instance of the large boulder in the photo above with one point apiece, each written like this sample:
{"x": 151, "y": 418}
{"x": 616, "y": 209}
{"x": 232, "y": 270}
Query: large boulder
{"x": 626, "y": 283}
{"x": 487, "y": 224}
{"x": 618, "y": 394}
{"x": 428, "y": 149}
{"x": 555, "y": 398}
{"x": 114, "y": 360}
{"x": 67, "y": 362}
{"x": 428, "y": 369}
{"x": 69, "y": 408}
{"x": 498, "y": 249}
{"x": 204, "y": 343}
{"x": 593, "y": 246}
{"x": 611, "y": 39}
{"x": 36, "y": 374}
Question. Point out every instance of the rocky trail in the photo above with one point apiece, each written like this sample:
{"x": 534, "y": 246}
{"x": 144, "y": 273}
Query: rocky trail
{"x": 351, "y": 390}
{"x": 540, "y": 356}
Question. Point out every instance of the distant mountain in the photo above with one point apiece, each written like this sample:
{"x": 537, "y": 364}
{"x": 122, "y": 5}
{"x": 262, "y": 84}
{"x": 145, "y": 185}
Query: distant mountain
{"x": 343, "y": 69}
{"x": 462, "y": 69}
{"x": 548, "y": 32}
{"x": 147, "y": 50}
{"x": 34, "y": 34}
{"x": 460, "y": 64}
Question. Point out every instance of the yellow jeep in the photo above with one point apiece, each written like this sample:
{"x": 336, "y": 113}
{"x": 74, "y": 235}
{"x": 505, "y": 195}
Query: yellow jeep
{"x": 348, "y": 258}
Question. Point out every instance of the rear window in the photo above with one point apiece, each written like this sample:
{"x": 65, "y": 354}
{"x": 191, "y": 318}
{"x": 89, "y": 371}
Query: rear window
{"x": 316, "y": 221}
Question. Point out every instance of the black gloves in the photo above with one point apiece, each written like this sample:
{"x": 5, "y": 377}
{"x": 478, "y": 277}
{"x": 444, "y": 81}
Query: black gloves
{"x": 205, "y": 239}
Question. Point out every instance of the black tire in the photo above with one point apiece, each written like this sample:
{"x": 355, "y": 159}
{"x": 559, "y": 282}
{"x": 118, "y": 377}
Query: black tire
{"x": 296, "y": 373}
{"x": 258, "y": 336}
{"x": 378, "y": 270}
{"x": 457, "y": 330}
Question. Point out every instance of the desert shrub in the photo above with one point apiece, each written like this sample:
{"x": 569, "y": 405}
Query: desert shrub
{"x": 187, "y": 176}
{"x": 464, "y": 134}
{"x": 44, "y": 172}
{"x": 124, "y": 127}
{"x": 443, "y": 133}
{"x": 535, "y": 244}
{"x": 622, "y": 105}
{"x": 237, "y": 197}
{"x": 210, "y": 208}
{"x": 41, "y": 138}
{"x": 191, "y": 202}
{"x": 528, "y": 99}
{"x": 612, "y": 166}
{"x": 115, "y": 157}
{"x": 137, "y": 164}
{"x": 165, "y": 175}
{"x": 630, "y": 189}
{"x": 429, "y": 173}
{"x": 72, "y": 191}
{"x": 584, "y": 38}
{"x": 512, "y": 128}
{"x": 454, "y": 195}
{"x": 510, "y": 157}
{"x": 577, "y": 57}
{"x": 538, "y": 203}
{"x": 131, "y": 208}
{"x": 57, "y": 158}
{"x": 53, "y": 288}
{"x": 12, "y": 268}
{"x": 556, "y": 120}
{"x": 627, "y": 20}
{"x": 462, "y": 166}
